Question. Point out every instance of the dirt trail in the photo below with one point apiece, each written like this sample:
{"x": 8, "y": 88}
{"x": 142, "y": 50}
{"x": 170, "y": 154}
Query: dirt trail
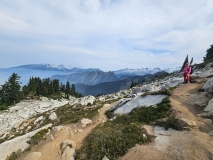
{"x": 196, "y": 143}
{"x": 50, "y": 148}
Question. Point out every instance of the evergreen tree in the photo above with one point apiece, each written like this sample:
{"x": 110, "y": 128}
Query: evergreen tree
{"x": 184, "y": 63}
{"x": 67, "y": 90}
{"x": 133, "y": 84}
{"x": 72, "y": 92}
{"x": 209, "y": 54}
{"x": 62, "y": 87}
{"x": 10, "y": 91}
{"x": 191, "y": 61}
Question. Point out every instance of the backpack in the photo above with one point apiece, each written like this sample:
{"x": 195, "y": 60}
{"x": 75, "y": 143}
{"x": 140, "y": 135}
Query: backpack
{"x": 191, "y": 70}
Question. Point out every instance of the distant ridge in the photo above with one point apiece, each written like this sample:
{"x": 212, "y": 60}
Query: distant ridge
{"x": 56, "y": 68}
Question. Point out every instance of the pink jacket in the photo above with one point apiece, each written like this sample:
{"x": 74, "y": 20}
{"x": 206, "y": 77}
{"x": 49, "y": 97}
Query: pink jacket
{"x": 187, "y": 70}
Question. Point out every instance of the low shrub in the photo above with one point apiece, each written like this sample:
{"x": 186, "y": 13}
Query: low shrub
{"x": 109, "y": 114}
{"x": 67, "y": 114}
{"x": 171, "y": 122}
{"x": 14, "y": 155}
{"x": 38, "y": 137}
{"x": 164, "y": 92}
{"x": 3, "y": 107}
{"x": 111, "y": 140}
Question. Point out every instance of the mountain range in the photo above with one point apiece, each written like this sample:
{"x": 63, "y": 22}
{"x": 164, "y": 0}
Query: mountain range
{"x": 87, "y": 81}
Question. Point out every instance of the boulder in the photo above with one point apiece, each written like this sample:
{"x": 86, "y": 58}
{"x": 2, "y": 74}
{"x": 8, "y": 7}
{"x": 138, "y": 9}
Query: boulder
{"x": 208, "y": 86}
{"x": 33, "y": 156}
{"x": 53, "y": 116}
{"x": 209, "y": 107}
{"x": 68, "y": 153}
{"x": 85, "y": 122}
{"x": 66, "y": 143}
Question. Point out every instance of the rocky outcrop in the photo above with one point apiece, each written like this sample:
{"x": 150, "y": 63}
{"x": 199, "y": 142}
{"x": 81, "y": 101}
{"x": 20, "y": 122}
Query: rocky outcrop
{"x": 208, "y": 86}
{"x": 205, "y": 72}
{"x": 7, "y": 147}
{"x": 209, "y": 107}
{"x": 139, "y": 101}
{"x": 88, "y": 100}
{"x": 25, "y": 110}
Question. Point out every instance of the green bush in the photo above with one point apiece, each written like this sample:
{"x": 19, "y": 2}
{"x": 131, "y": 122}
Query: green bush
{"x": 109, "y": 114}
{"x": 38, "y": 137}
{"x": 111, "y": 140}
{"x": 14, "y": 155}
{"x": 67, "y": 114}
{"x": 3, "y": 107}
{"x": 164, "y": 92}
{"x": 171, "y": 122}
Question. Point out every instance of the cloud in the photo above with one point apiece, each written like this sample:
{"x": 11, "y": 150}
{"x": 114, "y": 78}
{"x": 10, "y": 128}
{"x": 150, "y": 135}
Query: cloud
{"x": 106, "y": 34}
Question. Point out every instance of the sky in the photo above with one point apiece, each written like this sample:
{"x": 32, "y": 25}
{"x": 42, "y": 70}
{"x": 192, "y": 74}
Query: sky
{"x": 105, "y": 34}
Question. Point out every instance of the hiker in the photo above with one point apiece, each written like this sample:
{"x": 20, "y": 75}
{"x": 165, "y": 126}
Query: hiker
{"x": 186, "y": 73}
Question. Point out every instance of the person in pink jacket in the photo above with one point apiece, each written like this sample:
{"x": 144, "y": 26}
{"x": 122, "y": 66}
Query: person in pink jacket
{"x": 186, "y": 73}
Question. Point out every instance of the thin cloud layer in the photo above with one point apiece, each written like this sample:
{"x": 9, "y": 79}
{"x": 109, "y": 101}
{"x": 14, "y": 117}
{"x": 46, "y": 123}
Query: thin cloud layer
{"x": 105, "y": 34}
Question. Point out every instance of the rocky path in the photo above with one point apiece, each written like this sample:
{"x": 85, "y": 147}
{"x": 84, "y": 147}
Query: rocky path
{"x": 195, "y": 143}
{"x": 50, "y": 148}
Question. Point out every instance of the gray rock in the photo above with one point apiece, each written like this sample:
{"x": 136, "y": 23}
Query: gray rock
{"x": 120, "y": 103}
{"x": 66, "y": 143}
{"x": 105, "y": 158}
{"x": 84, "y": 100}
{"x": 208, "y": 86}
{"x": 53, "y": 116}
{"x": 85, "y": 122}
{"x": 7, "y": 147}
{"x": 68, "y": 153}
{"x": 209, "y": 107}
{"x": 137, "y": 90}
{"x": 140, "y": 101}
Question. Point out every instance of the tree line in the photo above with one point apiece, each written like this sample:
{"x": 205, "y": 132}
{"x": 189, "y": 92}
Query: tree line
{"x": 208, "y": 57}
{"x": 11, "y": 91}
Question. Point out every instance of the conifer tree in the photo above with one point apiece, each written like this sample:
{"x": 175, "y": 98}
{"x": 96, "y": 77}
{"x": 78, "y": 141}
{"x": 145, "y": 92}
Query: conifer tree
{"x": 184, "y": 63}
{"x": 10, "y": 91}
{"x": 67, "y": 90}
{"x": 191, "y": 61}
{"x": 209, "y": 54}
{"x": 72, "y": 92}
